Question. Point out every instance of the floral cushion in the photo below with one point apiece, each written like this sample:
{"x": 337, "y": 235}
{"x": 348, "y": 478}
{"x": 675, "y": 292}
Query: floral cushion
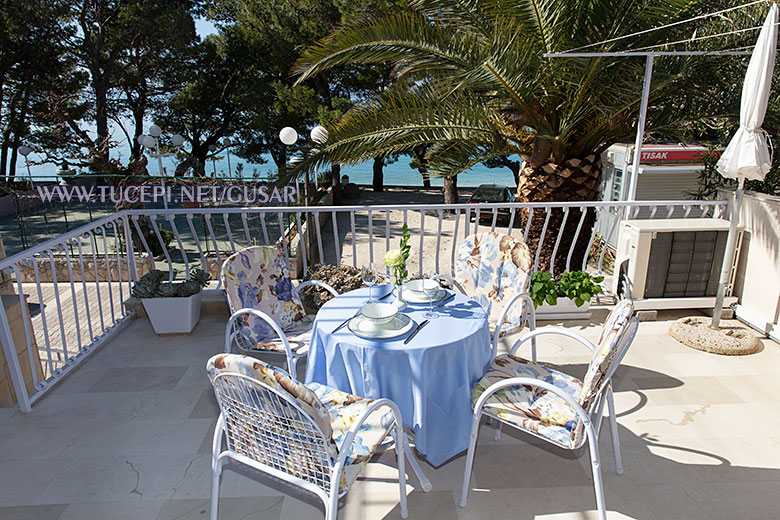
{"x": 278, "y": 380}
{"x": 344, "y": 410}
{"x": 259, "y": 278}
{"x": 298, "y": 338}
{"x": 531, "y": 409}
{"x": 612, "y": 336}
{"x": 492, "y": 268}
{"x": 333, "y": 411}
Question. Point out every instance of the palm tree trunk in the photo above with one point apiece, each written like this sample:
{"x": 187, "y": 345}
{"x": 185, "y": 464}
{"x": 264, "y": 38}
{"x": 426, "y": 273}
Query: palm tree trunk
{"x": 378, "y": 180}
{"x": 575, "y": 179}
{"x": 335, "y": 182}
{"x": 450, "y": 190}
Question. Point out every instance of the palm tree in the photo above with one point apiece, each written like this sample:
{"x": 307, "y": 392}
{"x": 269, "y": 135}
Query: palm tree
{"x": 471, "y": 80}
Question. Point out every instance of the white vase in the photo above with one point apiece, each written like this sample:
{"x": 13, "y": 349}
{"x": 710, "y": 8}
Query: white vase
{"x": 399, "y": 302}
{"x": 565, "y": 309}
{"x": 173, "y": 315}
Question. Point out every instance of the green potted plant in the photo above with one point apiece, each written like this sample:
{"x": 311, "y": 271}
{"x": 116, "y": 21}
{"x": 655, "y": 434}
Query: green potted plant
{"x": 172, "y": 308}
{"x": 396, "y": 259}
{"x": 565, "y": 298}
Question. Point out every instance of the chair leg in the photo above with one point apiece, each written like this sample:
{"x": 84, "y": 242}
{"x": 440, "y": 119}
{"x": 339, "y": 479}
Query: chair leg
{"x": 597, "y": 484}
{"x": 216, "y": 471}
{"x": 425, "y": 484}
{"x": 470, "y": 459}
{"x": 613, "y": 432}
{"x": 497, "y": 434}
{"x": 400, "y": 448}
{"x": 332, "y": 504}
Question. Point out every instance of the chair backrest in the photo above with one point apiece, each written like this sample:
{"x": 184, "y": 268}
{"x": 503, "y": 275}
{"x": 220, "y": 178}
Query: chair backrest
{"x": 272, "y": 419}
{"x": 615, "y": 338}
{"x": 492, "y": 268}
{"x": 613, "y": 342}
{"x": 259, "y": 278}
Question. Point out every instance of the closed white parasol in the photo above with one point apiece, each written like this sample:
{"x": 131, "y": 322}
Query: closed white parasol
{"x": 747, "y": 156}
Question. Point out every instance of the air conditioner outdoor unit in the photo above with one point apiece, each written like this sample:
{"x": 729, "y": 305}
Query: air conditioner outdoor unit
{"x": 671, "y": 264}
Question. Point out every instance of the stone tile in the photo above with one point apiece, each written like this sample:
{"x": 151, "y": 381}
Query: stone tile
{"x": 45, "y": 512}
{"x": 23, "y": 480}
{"x": 269, "y": 508}
{"x": 140, "y": 510}
{"x": 754, "y": 389}
{"x": 206, "y": 407}
{"x": 501, "y": 504}
{"x": 137, "y": 437}
{"x": 502, "y": 467}
{"x": 736, "y": 500}
{"x": 625, "y": 501}
{"x": 664, "y": 391}
{"x": 434, "y": 505}
{"x": 139, "y": 379}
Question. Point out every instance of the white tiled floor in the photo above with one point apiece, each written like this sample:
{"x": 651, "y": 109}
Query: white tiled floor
{"x": 127, "y": 436}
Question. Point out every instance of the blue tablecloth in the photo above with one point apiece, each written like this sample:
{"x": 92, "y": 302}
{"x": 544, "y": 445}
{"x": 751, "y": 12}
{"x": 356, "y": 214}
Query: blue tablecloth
{"x": 430, "y": 379}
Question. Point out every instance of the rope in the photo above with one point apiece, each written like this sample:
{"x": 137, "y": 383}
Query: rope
{"x": 690, "y": 40}
{"x": 673, "y": 24}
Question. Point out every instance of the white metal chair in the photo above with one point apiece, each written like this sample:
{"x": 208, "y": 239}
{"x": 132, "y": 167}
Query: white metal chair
{"x": 554, "y": 406}
{"x": 495, "y": 270}
{"x": 266, "y": 310}
{"x": 314, "y": 437}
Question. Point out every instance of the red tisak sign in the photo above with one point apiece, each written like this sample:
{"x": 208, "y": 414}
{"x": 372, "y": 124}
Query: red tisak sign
{"x": 676, "y": 155}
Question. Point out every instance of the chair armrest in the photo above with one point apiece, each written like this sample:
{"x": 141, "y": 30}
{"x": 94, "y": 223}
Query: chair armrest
{"x": 529, "y": 305}
{"x": 317, "y": 283}
{"x": 449, "y": 279}
{"x": 216, "y": 443}
{"x": 350, "y": 437}
{"x": 275, "y": 326}
{"x": 538, "y": 383}
{"x": 552, "y": 330}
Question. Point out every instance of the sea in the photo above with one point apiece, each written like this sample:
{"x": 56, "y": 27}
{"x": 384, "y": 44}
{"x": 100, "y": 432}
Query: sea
{"x": 397, "y": 173}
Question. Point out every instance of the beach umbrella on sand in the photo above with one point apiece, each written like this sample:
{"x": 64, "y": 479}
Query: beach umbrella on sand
{"x": 747, "y": 156}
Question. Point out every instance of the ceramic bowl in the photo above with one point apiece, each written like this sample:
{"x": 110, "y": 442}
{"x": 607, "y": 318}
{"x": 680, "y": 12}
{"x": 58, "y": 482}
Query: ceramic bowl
{"x": 418, "y": 286}
{"x": 379, "y": 313}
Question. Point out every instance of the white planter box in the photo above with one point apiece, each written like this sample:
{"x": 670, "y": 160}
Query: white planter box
{"x": 173, "y": 315}
{"x": 565, "y": 309}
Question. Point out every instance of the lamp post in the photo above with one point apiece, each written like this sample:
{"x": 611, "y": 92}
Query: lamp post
{"x": 25, "y": 151}
{"x": 152, "y": 141}
{"x": 226, "y": 142}
{"x": 289, "y": 136}
{"x": 213, "y": 149}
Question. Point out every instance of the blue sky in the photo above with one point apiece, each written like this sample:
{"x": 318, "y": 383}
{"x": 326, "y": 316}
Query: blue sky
{"x": 203, "y": 27}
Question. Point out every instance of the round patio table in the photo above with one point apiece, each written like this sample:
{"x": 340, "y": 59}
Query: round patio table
{"x": 430, "y": 378}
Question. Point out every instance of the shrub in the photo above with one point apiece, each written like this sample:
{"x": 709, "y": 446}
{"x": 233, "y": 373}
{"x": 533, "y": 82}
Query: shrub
{"x": 152, "y": 285}
{"x": 578, "y": 286}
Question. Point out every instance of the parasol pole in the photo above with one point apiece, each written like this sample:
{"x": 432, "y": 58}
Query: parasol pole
{"x": 728, "y": 254}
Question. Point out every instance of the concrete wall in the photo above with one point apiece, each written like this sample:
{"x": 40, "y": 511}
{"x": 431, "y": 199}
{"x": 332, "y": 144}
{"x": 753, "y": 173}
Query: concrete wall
{"x": 757, "y": 282}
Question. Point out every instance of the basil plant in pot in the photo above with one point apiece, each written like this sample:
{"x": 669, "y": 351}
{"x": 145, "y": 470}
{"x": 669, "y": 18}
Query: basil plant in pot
{"x": 172, "y": 308}
{"x": 567, "y": 298}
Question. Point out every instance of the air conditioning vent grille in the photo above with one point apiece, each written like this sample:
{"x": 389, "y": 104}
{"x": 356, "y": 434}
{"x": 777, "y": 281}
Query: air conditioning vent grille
{"x": 685, "y": 264}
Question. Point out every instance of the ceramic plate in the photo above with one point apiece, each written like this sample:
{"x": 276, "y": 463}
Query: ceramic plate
{"x": 415, "y": 297}
{"x": 400, "y": 325}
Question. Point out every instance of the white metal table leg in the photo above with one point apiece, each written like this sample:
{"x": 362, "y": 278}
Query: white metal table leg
{"x": 424, "y": 482}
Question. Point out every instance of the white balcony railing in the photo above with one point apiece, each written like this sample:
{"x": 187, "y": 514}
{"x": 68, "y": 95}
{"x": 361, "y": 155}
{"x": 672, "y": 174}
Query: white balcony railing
{"x": 82, "y": 278}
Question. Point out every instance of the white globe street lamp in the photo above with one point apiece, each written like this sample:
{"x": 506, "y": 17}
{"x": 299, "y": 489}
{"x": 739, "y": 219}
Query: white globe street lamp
{"x": 155, "y": 131}
{"x": 319, "y": 135}
{"x": 177, "y": 140}
{"x": 288, "y": 135}
{"x": 25, "y": 150}
{"x": 226, "y": 142}
{"x": 212, "y": 149}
